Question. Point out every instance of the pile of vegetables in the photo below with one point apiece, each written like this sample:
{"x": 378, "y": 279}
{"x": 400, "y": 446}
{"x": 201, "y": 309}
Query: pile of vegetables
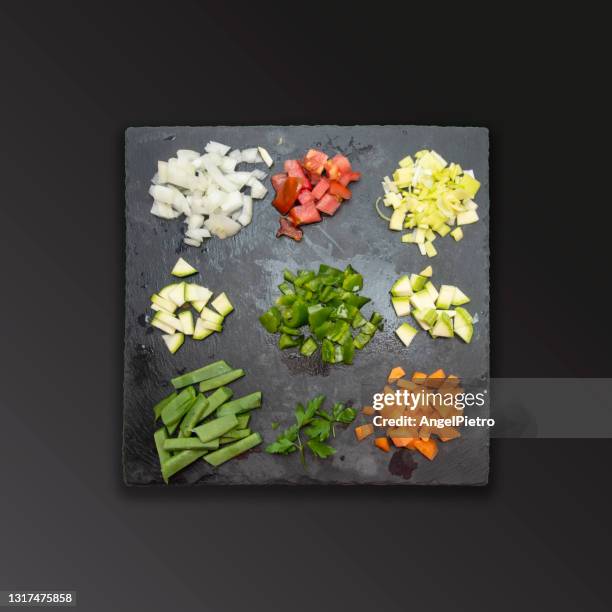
{"x": 327, "y": 305}
{"x": 429, "y": 196}
{"x": 172, "y": 305}
{"x": 418, "y": 438}
{"x": 313, "y": 427}
{"x": 207, "y": 189}
{"x": 195, "y": 425}
{"x": 309, "y": 187}
{"x": 438, "y": 312}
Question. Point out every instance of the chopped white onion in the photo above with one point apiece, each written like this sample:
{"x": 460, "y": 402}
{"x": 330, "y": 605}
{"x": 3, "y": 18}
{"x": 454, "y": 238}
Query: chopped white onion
{"x": 258, "y": 189}
{"x": 266, "y": 157}
{"x": 250, "y": 156}
{"x": 216, "y": 147}
{"x": 206, "y": 189}
{"x": 222, "y": 226}
{"x": 246, "y": 215}
{"x": 187, "y": 154}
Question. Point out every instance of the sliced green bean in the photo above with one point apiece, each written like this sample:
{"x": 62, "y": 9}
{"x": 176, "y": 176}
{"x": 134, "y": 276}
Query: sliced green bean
{"x": 230, "y": 451}
{"x": 186, "y": 407}
{"x": 174, "y": 410}
{"x": 234, "y": 434}
{"x": 196, "y": 376}
{"x": 179, "y": 444}
{"x": 219, "y": 381}
{"x": 157, "y": 409}
{"x": 241, "y": 404}
{"x": 194, "y": 415}
{"x": 243, "y": 420}
{"x": 215, "y": 428}
{"x": 180, "y": 461}
{"x": 160, "y": 437}
{"x": 221, "y": 395}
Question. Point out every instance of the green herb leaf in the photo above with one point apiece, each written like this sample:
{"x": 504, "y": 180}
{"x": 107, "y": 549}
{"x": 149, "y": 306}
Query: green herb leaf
{"x": 320, "y": 449}
{"x": 346, "y": 416}
{"x": 282, "y": 446}
{"x": 274, "y": 424}
{"x": 299, "y": 414}
{"x": 319, "y": 429}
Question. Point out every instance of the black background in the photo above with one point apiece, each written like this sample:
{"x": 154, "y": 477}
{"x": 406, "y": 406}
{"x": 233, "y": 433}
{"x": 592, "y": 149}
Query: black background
{"x": 73, "y": 78}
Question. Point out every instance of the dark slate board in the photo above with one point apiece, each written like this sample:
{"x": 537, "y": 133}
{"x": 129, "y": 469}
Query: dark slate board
{"x": 249, "y": 267}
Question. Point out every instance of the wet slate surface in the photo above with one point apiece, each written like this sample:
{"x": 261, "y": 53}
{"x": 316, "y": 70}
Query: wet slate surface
{"x": 249, "y": 267}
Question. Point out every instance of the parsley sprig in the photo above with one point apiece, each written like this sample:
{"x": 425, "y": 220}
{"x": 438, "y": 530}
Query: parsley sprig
{"x": 317, "y": 425}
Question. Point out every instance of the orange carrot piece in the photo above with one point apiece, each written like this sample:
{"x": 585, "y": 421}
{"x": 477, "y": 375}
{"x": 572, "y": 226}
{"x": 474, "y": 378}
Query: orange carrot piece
{"x": 363, "y": 431}
{"x": 435, "y": 379}
{"x": 395, "y": 374}
{"x": 428, "y": 448}
{"x": 383, "y": 444}
{"x": 404, "y": 443}
{"x": 419, "y": 377}
{"x": 368, "y": 410}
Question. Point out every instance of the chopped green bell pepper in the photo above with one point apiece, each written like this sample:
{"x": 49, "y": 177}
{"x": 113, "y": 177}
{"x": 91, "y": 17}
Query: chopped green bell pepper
{"x": 271, "y": 319}
{"x": 286, "y": 341}
{"x": 309, "y": 347}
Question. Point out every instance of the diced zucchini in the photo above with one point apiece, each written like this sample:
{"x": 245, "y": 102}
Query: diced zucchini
{"x": 402, "y": 287}
{"x": 161, "y": 325}
{"x": 209, "y": 315}
{"x": 177, "y": 294}
{"x": 163, "y": 303}
{"x": 443, "y": 327}
{"x": 401, "y": 305}
{"x": 459, "y": 298}
{"x": 418, "y": 281}
{"x": 174, "y": 341}
{"x": 211, "y": 326}
{"x": 222, "y": 305}
{"x": 197, "y": 293}
{"x": 429, "y": 287}
{"x": 182, "y": 269}
{"x": 445, "y": 299}
{"x": 428, "y": 272}
{"x": 168, "y": 319}
{"x": 422, "y": 300}
{"x": 186, "y": 319}
{"x": 463, "y": 324}
{"x": 165, "y": 291}
{"x": 406, "y": 333}
{"x": 200, "y": 331}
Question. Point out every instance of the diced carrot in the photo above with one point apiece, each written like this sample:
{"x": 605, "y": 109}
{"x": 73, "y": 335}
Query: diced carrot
{"x": 419, "y": 377}
{"x": 383, "y": 444}
{"x": 395, "y": 374}
{"x": 368, "y": 410}
{"x": 453, "y": 380}
{"x": 407, "y": 384}
{"x": 404, "y": 442}
{"x": 363, "y": 431}
{"x": 436, "y": 378}
{"x": 428, "y": 448}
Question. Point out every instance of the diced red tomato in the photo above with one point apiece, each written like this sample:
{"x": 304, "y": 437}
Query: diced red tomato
{"x": 329, "y": 204}
{"x": 293, "y": 168}
{"x": 337, "y": 166}
{"x": 314, "y": 161}
{"x": 313, "y": 177}
{"x": 320, "y": 188}
{"x": 288, "y": 229}
{"x": 338, "y": 189}
{"x": 305, "y": 197}
{"x": 286, "y": 197}
{"x": 302, "y": 215}
{"x": 342, "y": 163}
{"x": 349, "y": 177}
{"x": 278, "y": 180}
